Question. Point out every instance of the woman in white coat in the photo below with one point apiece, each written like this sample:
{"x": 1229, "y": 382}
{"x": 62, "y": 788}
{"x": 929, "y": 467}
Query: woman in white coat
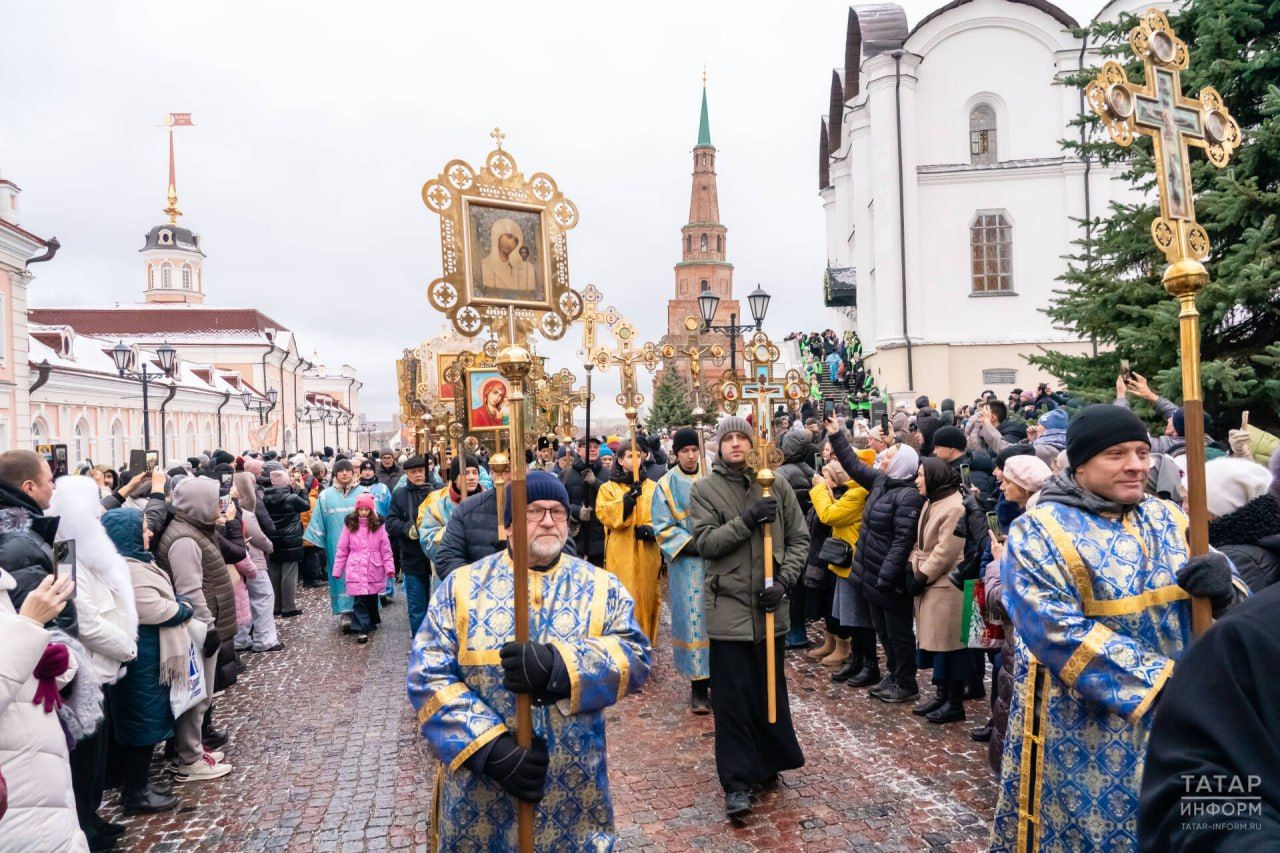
{"x": 108, "y": 622}
{"x": 41, "y": 813}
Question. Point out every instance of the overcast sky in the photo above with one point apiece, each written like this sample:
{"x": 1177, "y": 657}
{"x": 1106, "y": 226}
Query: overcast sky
{"x": 317, "y": 125}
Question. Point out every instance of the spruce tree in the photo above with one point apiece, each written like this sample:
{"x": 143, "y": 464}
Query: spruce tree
{"x": 1112, "y": 290}
{"x": 670, "y": 403}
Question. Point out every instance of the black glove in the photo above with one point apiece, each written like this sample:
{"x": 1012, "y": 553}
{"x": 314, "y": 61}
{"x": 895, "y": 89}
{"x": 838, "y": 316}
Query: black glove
{"x": 1209, "y": 576}
{"x": 526, "y": 667}
{"x": 644, "y": 533}
{"x": 916, "y": 583}
{"x": 690, "y": 549}
{"x": 521, "y": 772}
{"x": 630, "y": 498}
{"x": 211, "y": 642}
{"x": 772, "y": 596}
{"x": 761, "y": 512}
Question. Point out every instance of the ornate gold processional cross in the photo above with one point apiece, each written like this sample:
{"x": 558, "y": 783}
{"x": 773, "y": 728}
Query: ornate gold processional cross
{"x": 1174, "y": 122}
{"x": 628, "y": 354}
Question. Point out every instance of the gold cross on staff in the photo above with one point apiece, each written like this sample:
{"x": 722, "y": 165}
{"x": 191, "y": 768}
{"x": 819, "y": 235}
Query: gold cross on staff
{"x": 629, "y": 353}
{"x": 764, "y": 390}
{"x": 1174, "y": 122}
{"x": 498, "y": 136}
{"x": 592, "y": 317}
{"x": 571, "y": 403}
{"x": 694, "y": 353}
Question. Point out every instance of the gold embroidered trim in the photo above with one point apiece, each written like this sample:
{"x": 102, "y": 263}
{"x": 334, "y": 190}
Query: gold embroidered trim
{"x": 475, "y": 745}
{"x": 599, "y": 599}
{"x": 437, "y": 701}
{"x": 1089, "y": 648}
{"x": 1032, "y": 752}
{"x": 1084, "y": 585}
{"x": 614, "y": 646}
{"x": 665, "y": 485}
{"x": 437, "y": 794}
{"x": 1156, "y": 687}
{"x": 696, "y": 644}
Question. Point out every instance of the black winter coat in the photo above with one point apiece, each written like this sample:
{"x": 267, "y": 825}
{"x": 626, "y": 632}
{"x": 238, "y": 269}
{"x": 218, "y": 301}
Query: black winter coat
{"x": 590, "y": 539}
{"x": 26, "y": 550}
{"x": 888, "y": 533}
{"x": 285, "y": 505}
{"x": 797, "y": 453}
{"x": 1250, "y": 536}
{"x": 402, "y": 517}
{"x": 472, "y": 534}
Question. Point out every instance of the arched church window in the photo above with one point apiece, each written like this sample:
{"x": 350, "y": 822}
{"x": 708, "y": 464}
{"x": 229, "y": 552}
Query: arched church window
{"x": 991, "y": 252}
{"x": 702, "y": 243}
{"x": 166, "y": 274}
{"x": 151, "y": 277}
{"x": 186, "y": 276}
{"x": 703, "y": 287}
{"x": 982, "y": 135}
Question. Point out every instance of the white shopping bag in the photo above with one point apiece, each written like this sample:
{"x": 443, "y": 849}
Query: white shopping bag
{"x": 191, "y": 689}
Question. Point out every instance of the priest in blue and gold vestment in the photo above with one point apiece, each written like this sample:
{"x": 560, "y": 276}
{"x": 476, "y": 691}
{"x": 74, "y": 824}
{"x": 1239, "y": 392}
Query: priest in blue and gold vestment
{"x": 586, "y": 652}
{"x": 1097, "y": 581}
{"x": 686, "y": 570}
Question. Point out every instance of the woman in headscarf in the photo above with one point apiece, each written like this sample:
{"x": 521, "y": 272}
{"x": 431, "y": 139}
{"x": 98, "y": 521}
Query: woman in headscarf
{"x": 939, "y": 601}
{"x": 142, "y": 714}
{"x": 885, "y": 541}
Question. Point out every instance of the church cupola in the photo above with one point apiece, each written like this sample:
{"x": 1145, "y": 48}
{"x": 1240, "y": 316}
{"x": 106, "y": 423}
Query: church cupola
{"x": 172, "y": 253}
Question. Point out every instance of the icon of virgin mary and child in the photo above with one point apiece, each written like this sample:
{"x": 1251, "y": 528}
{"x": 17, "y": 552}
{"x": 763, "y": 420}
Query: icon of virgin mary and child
{"x": 508, "y": 271}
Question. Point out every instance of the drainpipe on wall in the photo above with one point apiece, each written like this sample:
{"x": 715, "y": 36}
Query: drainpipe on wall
{"x": 173, "y": 392}
{"x": 43, "y": 369}
{"x": 902, "y": 214}
{"x": 226, "y": 398}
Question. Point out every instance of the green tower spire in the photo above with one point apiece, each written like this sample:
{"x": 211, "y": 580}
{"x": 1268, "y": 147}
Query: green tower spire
{"x": 704, "y": 126}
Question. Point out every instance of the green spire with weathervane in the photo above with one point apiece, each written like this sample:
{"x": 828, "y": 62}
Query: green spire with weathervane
{"x": 704, "y": 126}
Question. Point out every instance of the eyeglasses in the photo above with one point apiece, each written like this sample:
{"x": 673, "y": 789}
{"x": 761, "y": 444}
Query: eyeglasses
{"x": 535, "y": 515}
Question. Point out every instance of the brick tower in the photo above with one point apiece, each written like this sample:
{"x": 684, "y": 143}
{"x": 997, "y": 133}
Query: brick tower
{"x": 702, "y": 266}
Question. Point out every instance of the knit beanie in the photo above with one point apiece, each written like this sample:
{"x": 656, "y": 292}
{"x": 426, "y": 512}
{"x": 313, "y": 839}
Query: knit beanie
{"x": 1180, "y": 422}
{"x": 279, "y": 477}
{"x": 1027, "y": 472}
{"x": 1052, "y": 419}
{"x": 538, "y": 486}
{"x": 730, "y": 424}
{"x": 365, "y": 501}
{"x": 1231, "y": 483}
{"x": 471, "y": 462}
{"x": 1099, "y": 427}
{"x": 684, "y": 437}
{"x": 342, "y": 465}
{"x": 1012, "y": 450}
{"x": 253, "y": 466}
{"x": 271, "y": 465}
{"x": 949, "y": 436}
{"x": 222, "y": 457}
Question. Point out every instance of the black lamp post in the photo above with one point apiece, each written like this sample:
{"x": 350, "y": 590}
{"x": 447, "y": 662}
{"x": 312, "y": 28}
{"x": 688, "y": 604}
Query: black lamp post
{"x": 757, "y": 300}
{"x": 122, "y": 355}
{"x": 262, "y": 407}
{"x": 309, "y": 415}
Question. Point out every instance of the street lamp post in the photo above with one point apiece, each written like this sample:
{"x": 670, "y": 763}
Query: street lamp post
{"x": 309, "y": 417}
{"x": 122, "y": 355}
{"x": 758, "y": 300}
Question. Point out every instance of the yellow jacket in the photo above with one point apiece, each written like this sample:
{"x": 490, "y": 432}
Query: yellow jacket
{"x": 636, "y": 563}
{"x": 843, "y": 516}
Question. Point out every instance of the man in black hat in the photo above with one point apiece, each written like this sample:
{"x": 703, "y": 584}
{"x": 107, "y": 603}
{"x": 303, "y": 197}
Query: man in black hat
{"x": 545, "y": 459}
{"x": 402, "y": 527}
{"x": 582, "y": 480}
{"x": 1097, "y": 582}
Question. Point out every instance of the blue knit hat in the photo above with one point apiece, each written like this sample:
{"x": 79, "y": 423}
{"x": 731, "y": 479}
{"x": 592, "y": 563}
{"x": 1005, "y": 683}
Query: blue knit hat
{"x": 538, "y": 486}
{"x": 124, "y": 529}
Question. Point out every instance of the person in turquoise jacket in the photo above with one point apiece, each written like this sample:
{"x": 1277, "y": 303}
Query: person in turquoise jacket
{"x": 325, "y": 530}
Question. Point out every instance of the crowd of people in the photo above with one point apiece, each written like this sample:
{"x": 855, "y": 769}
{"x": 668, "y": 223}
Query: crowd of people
{"x": 1034, "y": 538}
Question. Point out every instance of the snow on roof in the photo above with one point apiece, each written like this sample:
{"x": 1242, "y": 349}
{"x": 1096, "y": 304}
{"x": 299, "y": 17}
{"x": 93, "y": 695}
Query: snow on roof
{"x": 90, "y": 354}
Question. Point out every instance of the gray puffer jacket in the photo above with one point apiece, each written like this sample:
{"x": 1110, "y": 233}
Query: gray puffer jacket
{"x": 734, "y": 552}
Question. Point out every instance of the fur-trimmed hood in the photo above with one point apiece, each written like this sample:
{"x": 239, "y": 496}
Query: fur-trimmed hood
{"x": 79, "y": 510}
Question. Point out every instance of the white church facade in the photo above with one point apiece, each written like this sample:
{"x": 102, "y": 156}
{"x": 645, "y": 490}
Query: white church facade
{"x": 950, "y": 204}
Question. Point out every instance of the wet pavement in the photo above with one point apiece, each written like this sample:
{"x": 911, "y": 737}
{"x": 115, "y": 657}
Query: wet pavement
{"x": 327, "y": 757}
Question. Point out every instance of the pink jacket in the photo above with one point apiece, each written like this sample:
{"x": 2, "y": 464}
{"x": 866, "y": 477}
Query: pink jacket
{"x": 365, "y": 560}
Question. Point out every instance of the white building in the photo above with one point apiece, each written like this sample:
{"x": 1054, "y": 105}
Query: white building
{"x": 950, "y": 205}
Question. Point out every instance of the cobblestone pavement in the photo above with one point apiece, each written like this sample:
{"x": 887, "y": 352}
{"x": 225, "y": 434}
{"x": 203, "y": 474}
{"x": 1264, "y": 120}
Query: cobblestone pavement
{"x": 327, "y": 757}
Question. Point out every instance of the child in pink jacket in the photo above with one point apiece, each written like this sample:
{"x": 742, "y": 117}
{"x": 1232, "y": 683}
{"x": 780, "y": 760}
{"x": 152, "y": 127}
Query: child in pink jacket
{"x": 364, "y": 559}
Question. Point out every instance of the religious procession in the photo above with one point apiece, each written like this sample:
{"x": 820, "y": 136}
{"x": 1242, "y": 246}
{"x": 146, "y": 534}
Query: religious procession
{"x": 528, "y": 565}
